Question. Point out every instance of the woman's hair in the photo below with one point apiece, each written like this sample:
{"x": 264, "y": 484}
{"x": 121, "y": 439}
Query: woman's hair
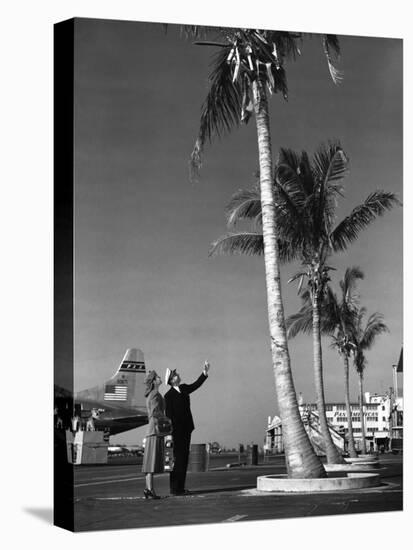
{"x": 149, "y": 382}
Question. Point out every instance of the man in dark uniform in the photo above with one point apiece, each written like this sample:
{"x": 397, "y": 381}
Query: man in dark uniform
{"x": 178, "y": 409}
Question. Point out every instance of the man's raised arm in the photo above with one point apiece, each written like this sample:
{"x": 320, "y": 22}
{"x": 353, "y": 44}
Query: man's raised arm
{"x": 189, "y": 388}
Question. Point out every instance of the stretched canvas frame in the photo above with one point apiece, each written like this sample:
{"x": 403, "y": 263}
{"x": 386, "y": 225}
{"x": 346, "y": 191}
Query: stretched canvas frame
{"x": 65, "y": 251}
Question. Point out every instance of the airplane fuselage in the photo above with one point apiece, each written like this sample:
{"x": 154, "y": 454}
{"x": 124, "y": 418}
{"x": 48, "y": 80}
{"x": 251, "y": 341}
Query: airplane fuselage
{"x": 111, "y": 419}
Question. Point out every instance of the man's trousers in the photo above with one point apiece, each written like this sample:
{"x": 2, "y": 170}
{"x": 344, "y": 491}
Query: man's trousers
{"x": 177, "y": 477}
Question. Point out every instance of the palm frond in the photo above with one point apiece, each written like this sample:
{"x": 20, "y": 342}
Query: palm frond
{"x": 347, "y": 285}
{"x": 333, "y": 44}
{"x": 332, "y": 52}
{"x": 330, "y": 166}
{"x": 287, "y": 252}
{"x": 195, "y": 32}
{"x": 256, "y": 56}
{"x": 238, "y": 243}
{"x": 301, "y": 322}
{"x": 361, "y": 313}
{"x": 286, "y": 43}
{"x": 348, "y": 321}
{"x": 210, "y": 43}
{"x": 287, "y": 184}
{"x": 296, "y": 276}
{"x": 257, "y": 222}
{"x": 221, "y": 110}
{"x": 306, "y": 299}
{"x": 336, "y": 343}
{"x": 363, "y": 338}
{"x": 330, "y": 312}
{"x": 374, "y": 327}
{"x": 244, "y": 204}
{"x": 328, "y": 323}
{"x": 360, "y": 362}
{"x": 330, "y": 163}
{"x": 290, "y": 158}
{"x": 289, "y": 213}
{"x": 375, "y": 205}
{"x": 288, "y": 176}
{"x": 300, "y": 276}
{"x": 279, "y": 81}
{"x": 306, "y": 174}
{"x": 251, "y": 244}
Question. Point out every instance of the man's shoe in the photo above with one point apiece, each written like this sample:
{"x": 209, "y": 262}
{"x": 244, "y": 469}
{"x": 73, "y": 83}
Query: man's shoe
{"x": 148, "y": 493}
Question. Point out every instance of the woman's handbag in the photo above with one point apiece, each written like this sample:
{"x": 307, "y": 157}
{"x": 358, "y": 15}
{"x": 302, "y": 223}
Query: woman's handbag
{"x": 163, "y": 425}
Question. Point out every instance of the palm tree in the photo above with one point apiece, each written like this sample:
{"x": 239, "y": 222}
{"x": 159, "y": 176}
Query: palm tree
{"x": 250, "y": 62}
{"x": 305, "y": 194}
{"x": 338, "y": 317}
{"x": 343, "y": 312}
{"x": 364, "y": 338}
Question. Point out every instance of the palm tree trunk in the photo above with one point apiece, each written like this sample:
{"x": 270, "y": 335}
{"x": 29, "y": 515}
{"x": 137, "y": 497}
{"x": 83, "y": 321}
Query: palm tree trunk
{"x": 301, "y": 460}
{"x": 363, "y": 427}
{"x": 351, "y": 446}
{"x": 333, "y": 454}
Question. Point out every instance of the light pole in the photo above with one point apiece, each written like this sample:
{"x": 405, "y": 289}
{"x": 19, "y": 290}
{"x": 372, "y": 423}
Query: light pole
{"x": 396, "y": 390}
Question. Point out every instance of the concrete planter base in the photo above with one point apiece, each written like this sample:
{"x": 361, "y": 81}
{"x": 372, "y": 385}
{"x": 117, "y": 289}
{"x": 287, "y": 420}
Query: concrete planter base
{"x": 362, "y": 458}
{"x": 352, "y": 467}
{"x": 283, "y": 484}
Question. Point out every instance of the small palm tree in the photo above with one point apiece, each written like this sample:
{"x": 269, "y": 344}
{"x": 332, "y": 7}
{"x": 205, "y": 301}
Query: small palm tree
{"x": 306, "y": 194}
{"x": 364, "y": 337}
{"x": 250, "y": 63}
{"x": 344, "y": 313}
{"x": 338, "y": 317}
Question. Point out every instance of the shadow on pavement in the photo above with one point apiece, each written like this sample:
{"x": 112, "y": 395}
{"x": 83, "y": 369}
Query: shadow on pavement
{"x": 221, "y": 490}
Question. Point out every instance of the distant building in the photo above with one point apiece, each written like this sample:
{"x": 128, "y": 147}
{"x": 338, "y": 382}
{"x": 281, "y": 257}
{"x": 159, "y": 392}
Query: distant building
{"x": 383, "y": 415}
{"x": 396, "y": 420}
{"x": 273, "y": 437}
{"x": 377, "y": 412}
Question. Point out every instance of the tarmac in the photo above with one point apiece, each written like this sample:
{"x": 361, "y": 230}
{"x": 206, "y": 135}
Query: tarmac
{"x": 111, "y": 496}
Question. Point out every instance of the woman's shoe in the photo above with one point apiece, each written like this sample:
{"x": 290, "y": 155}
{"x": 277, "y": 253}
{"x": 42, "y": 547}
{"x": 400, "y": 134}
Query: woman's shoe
{"x": 150, "y": 494}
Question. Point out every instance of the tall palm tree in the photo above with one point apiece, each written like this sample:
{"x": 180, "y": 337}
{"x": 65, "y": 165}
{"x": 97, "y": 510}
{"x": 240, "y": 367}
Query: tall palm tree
{"x": 338, "y": 318}
{"x": 249, "y": 63}
{"x": 305, "y": 194}
{"x": 364, "y": 337}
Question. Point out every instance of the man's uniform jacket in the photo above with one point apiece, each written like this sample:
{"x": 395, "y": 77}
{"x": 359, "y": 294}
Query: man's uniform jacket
{"x": 178, "y": 409}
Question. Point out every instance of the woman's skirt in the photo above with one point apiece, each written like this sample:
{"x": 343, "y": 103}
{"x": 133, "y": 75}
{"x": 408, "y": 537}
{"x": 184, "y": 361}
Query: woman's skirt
{"x": 154, "y": 455}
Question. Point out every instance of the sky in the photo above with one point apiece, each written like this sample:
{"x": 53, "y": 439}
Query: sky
{"x": 143, "y": 277}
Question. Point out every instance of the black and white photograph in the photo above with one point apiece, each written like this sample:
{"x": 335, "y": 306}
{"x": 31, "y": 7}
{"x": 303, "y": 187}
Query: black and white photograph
{"x": 235, "y": 309}
{"x": 206, "y": 267}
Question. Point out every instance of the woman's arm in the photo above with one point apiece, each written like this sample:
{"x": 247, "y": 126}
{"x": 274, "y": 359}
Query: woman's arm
{"x": 156, "y": 406}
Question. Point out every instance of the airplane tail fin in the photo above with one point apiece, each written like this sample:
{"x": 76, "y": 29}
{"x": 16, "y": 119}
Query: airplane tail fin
{"x": 127, "y": 385}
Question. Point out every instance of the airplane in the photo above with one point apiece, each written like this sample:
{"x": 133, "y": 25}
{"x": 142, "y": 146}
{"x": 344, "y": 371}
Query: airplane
{"x": 116, "y": 405}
